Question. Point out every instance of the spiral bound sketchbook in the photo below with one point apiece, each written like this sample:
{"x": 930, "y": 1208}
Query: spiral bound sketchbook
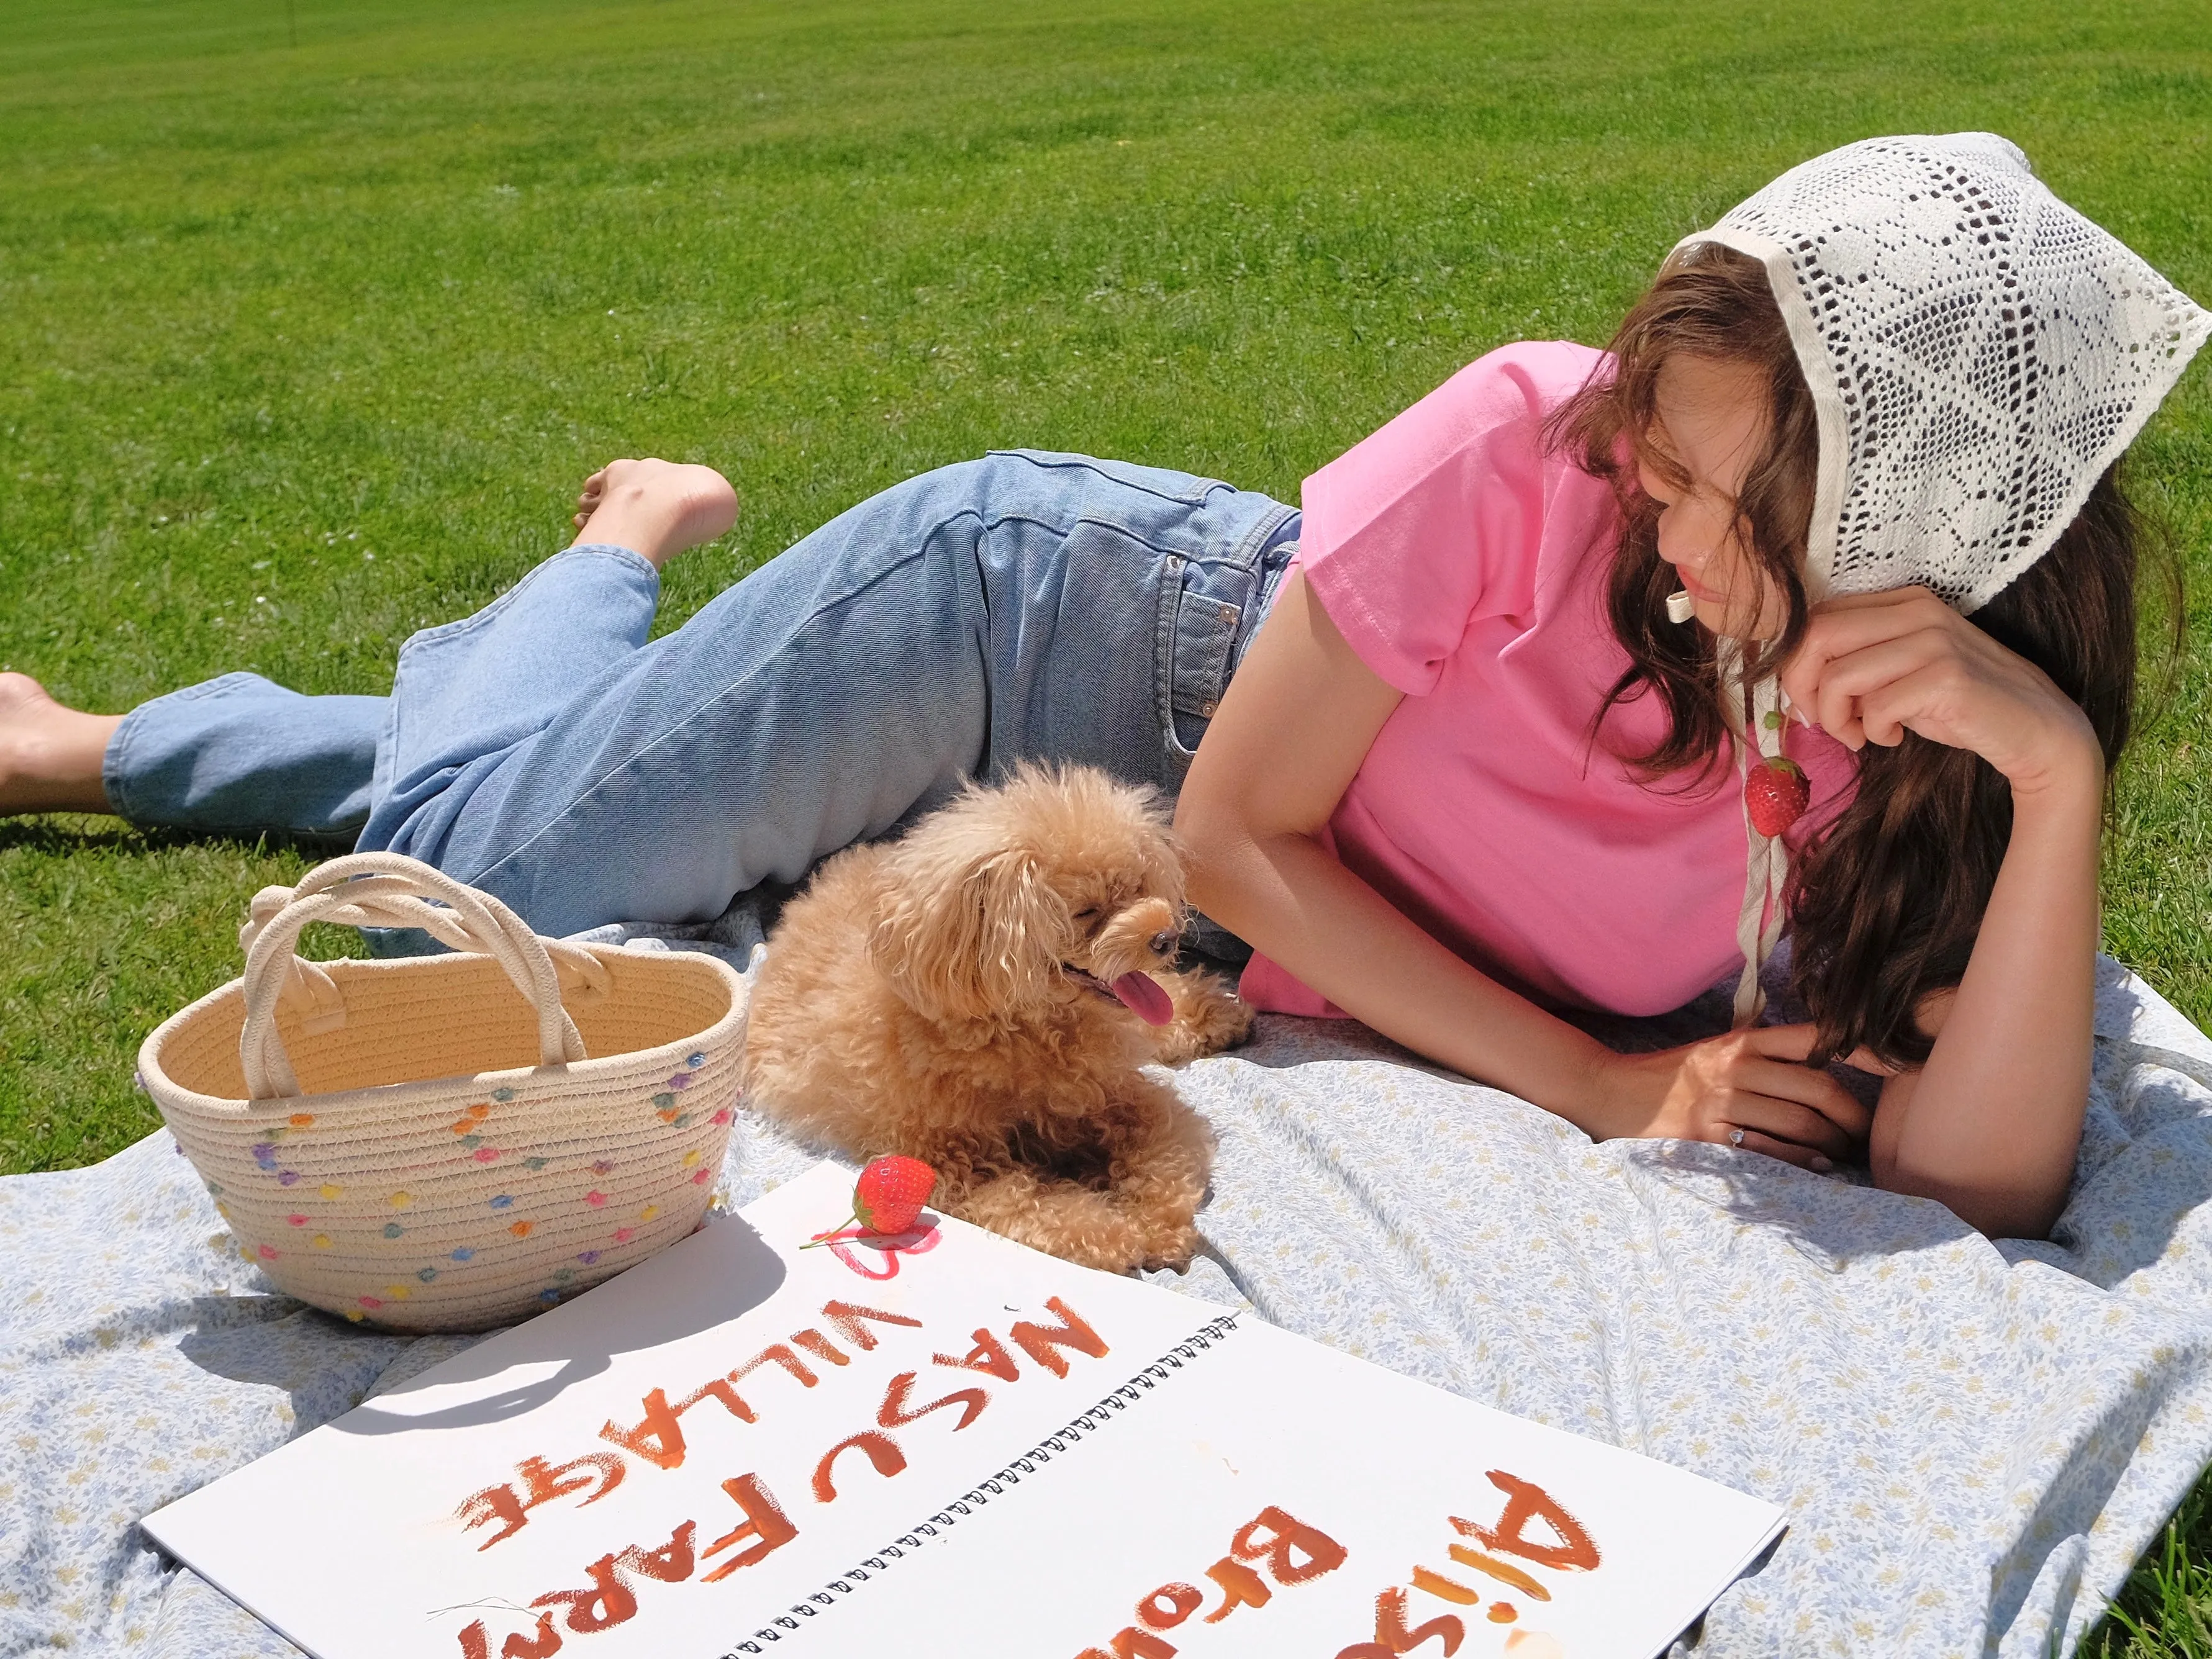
{"x": 948, "y": 1444}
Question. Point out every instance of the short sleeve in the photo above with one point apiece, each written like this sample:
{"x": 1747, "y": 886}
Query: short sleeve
{"x": 1436, "y": 520}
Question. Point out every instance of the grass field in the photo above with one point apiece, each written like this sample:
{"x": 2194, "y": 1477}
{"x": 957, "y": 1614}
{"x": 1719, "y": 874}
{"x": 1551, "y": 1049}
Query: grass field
{"x": 311, "y": 317}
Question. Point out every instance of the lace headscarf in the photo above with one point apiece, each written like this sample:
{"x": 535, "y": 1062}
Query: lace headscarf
{"x": 1978, "y": 353}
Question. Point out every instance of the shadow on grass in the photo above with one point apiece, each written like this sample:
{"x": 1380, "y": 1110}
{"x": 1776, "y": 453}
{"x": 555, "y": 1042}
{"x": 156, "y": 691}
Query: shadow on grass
{"x": 59, "y": 835}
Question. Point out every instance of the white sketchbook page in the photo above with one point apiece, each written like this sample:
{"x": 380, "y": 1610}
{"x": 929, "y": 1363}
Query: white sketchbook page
{"x": 351, "y": 1541}
{"x": 1378, "y": 1466}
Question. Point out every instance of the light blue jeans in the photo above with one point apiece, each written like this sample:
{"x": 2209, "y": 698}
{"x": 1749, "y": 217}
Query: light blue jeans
{"x": 1023, "y": 606}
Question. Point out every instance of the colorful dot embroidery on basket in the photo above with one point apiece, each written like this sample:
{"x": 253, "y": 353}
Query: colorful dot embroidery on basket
{"x": 268, "y": 1252}
{"x": 621, "y": 1235}
{"x": 549, "y": 1295}
{"x": 595, "y": 1199}
{"x": 331, "y": 1189}
{"x": 588, "y": 1257}
{"x": 535, "y": 1163}
{"x": 521, "y": 1229}
{"x": 322, "y": 1241}
{"x": 400, "y": 1201}
{"x": 602, "y": 1167}
{"x": 427, "y": 1275}
{"x": 463, "y": 1255}
{"x": 502, "y": 1095}
{"x": 722, "y": 1117}
{"x": 695, "y": 1061}
{"x": 296, "y": 1220}
{"x": 681, "y": 1080}
{"x": 287, "y": 1177}
{"x": 303, "y": 1120}
{"x": 649, "y": 1211}
{"x": 486, "y": 1155}
{"x": 502, "y": 1202}
{"x": 700, "y": 1180}
{"x": 393, "y": 1230}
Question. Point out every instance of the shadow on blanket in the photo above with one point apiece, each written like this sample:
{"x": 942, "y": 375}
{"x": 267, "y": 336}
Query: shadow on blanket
{"x": 2144, "y": 1138}
{"x": 233, "y": 1337}
{"x": 2144, "y": 1134}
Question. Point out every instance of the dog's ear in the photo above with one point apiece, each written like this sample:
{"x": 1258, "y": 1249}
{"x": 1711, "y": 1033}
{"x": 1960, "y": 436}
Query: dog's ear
{"x": 965, "y": 931}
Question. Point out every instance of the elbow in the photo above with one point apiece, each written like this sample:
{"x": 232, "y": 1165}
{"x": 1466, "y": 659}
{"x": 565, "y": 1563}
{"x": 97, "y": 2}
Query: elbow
{"x": 1208, "y": 839}
{"x": 1996, "y": 1209}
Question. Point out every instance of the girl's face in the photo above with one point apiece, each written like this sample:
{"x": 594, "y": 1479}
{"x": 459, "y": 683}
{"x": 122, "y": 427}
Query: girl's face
{"x": 1711, "y": 423}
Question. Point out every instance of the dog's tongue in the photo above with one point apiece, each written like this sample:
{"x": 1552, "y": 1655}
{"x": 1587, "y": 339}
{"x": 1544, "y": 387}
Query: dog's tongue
{"x": 1141, "y": 995}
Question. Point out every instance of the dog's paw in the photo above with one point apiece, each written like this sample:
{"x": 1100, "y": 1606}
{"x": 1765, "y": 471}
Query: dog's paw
{"x": 1209, "y": 1016}
{"x": 1165, "y": 1241}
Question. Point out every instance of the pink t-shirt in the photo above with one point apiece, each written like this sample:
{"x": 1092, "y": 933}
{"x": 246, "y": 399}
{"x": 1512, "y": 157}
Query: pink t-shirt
{"x": 1467, "y": 566}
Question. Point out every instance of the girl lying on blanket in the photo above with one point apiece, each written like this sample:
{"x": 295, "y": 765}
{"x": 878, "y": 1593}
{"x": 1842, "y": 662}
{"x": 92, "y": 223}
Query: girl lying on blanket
{"x": 1824, "y": 561}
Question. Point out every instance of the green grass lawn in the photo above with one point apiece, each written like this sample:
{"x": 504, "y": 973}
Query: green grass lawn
{"x": 312, "y": 318}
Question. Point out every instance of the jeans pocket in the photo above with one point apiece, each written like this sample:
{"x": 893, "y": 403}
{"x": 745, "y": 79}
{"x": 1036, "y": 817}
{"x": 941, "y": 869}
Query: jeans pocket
{"x": 1198, "y": 634}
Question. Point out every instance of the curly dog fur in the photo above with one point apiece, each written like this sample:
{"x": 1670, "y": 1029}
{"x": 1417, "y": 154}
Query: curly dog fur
{"x": 945, "y": 996}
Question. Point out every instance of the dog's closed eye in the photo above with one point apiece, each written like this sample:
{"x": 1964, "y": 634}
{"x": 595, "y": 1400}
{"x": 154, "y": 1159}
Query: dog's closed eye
{"x": 1086, "y": 918}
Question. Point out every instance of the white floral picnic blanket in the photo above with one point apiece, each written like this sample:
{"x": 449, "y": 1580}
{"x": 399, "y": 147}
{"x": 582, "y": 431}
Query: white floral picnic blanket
{"x": 1973, "y": 1441}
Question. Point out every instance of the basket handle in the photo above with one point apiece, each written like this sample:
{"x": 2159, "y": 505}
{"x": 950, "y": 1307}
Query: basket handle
{"x": 386, "y": 890}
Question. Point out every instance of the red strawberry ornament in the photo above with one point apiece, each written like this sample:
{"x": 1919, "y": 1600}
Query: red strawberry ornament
{"x": 889, "y": 1194}
{"x": 1776, "y": 794}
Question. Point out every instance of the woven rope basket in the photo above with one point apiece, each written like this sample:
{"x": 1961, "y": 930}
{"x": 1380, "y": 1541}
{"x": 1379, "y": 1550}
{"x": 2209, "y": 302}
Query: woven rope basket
{"x": 449, "y": 1142}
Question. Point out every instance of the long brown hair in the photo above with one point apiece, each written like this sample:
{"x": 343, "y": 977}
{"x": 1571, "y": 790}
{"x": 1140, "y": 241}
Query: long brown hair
{"x": 1885, "y": 903}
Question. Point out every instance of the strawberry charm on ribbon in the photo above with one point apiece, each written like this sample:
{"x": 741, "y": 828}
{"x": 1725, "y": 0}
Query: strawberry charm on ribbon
{"x": 887, "y": 1200}
{"x": 1775, "y": 792}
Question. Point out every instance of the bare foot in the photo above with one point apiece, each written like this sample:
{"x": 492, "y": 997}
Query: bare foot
{"x": 655, "y": 508}
{"x": 50, "y": 756}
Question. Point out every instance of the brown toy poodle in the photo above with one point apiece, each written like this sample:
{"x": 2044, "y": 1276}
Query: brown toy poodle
{"x": 981, "y": 995}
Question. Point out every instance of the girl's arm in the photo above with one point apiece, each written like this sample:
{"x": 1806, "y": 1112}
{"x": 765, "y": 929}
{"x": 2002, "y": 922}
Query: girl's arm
{"x": 1293, "y": 729}
{"x": 1991, "y": 1124}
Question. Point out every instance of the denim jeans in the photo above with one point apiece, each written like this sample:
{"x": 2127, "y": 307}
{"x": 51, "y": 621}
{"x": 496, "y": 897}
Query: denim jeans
{"x": 1023, "y": 606}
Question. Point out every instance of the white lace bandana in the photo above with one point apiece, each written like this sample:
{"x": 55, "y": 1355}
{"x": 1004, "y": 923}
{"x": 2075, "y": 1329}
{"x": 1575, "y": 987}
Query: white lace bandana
{"x": 1978, "y": 353}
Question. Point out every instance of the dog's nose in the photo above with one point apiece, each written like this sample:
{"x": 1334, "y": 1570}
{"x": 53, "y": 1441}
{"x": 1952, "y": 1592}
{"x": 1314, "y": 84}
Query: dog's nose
{"x": 1164, "y": 941}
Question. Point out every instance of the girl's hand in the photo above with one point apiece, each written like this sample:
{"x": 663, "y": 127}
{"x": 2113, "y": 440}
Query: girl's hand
{"x": 1875, "y": 665}
{"x": 1751, "y": 1081}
